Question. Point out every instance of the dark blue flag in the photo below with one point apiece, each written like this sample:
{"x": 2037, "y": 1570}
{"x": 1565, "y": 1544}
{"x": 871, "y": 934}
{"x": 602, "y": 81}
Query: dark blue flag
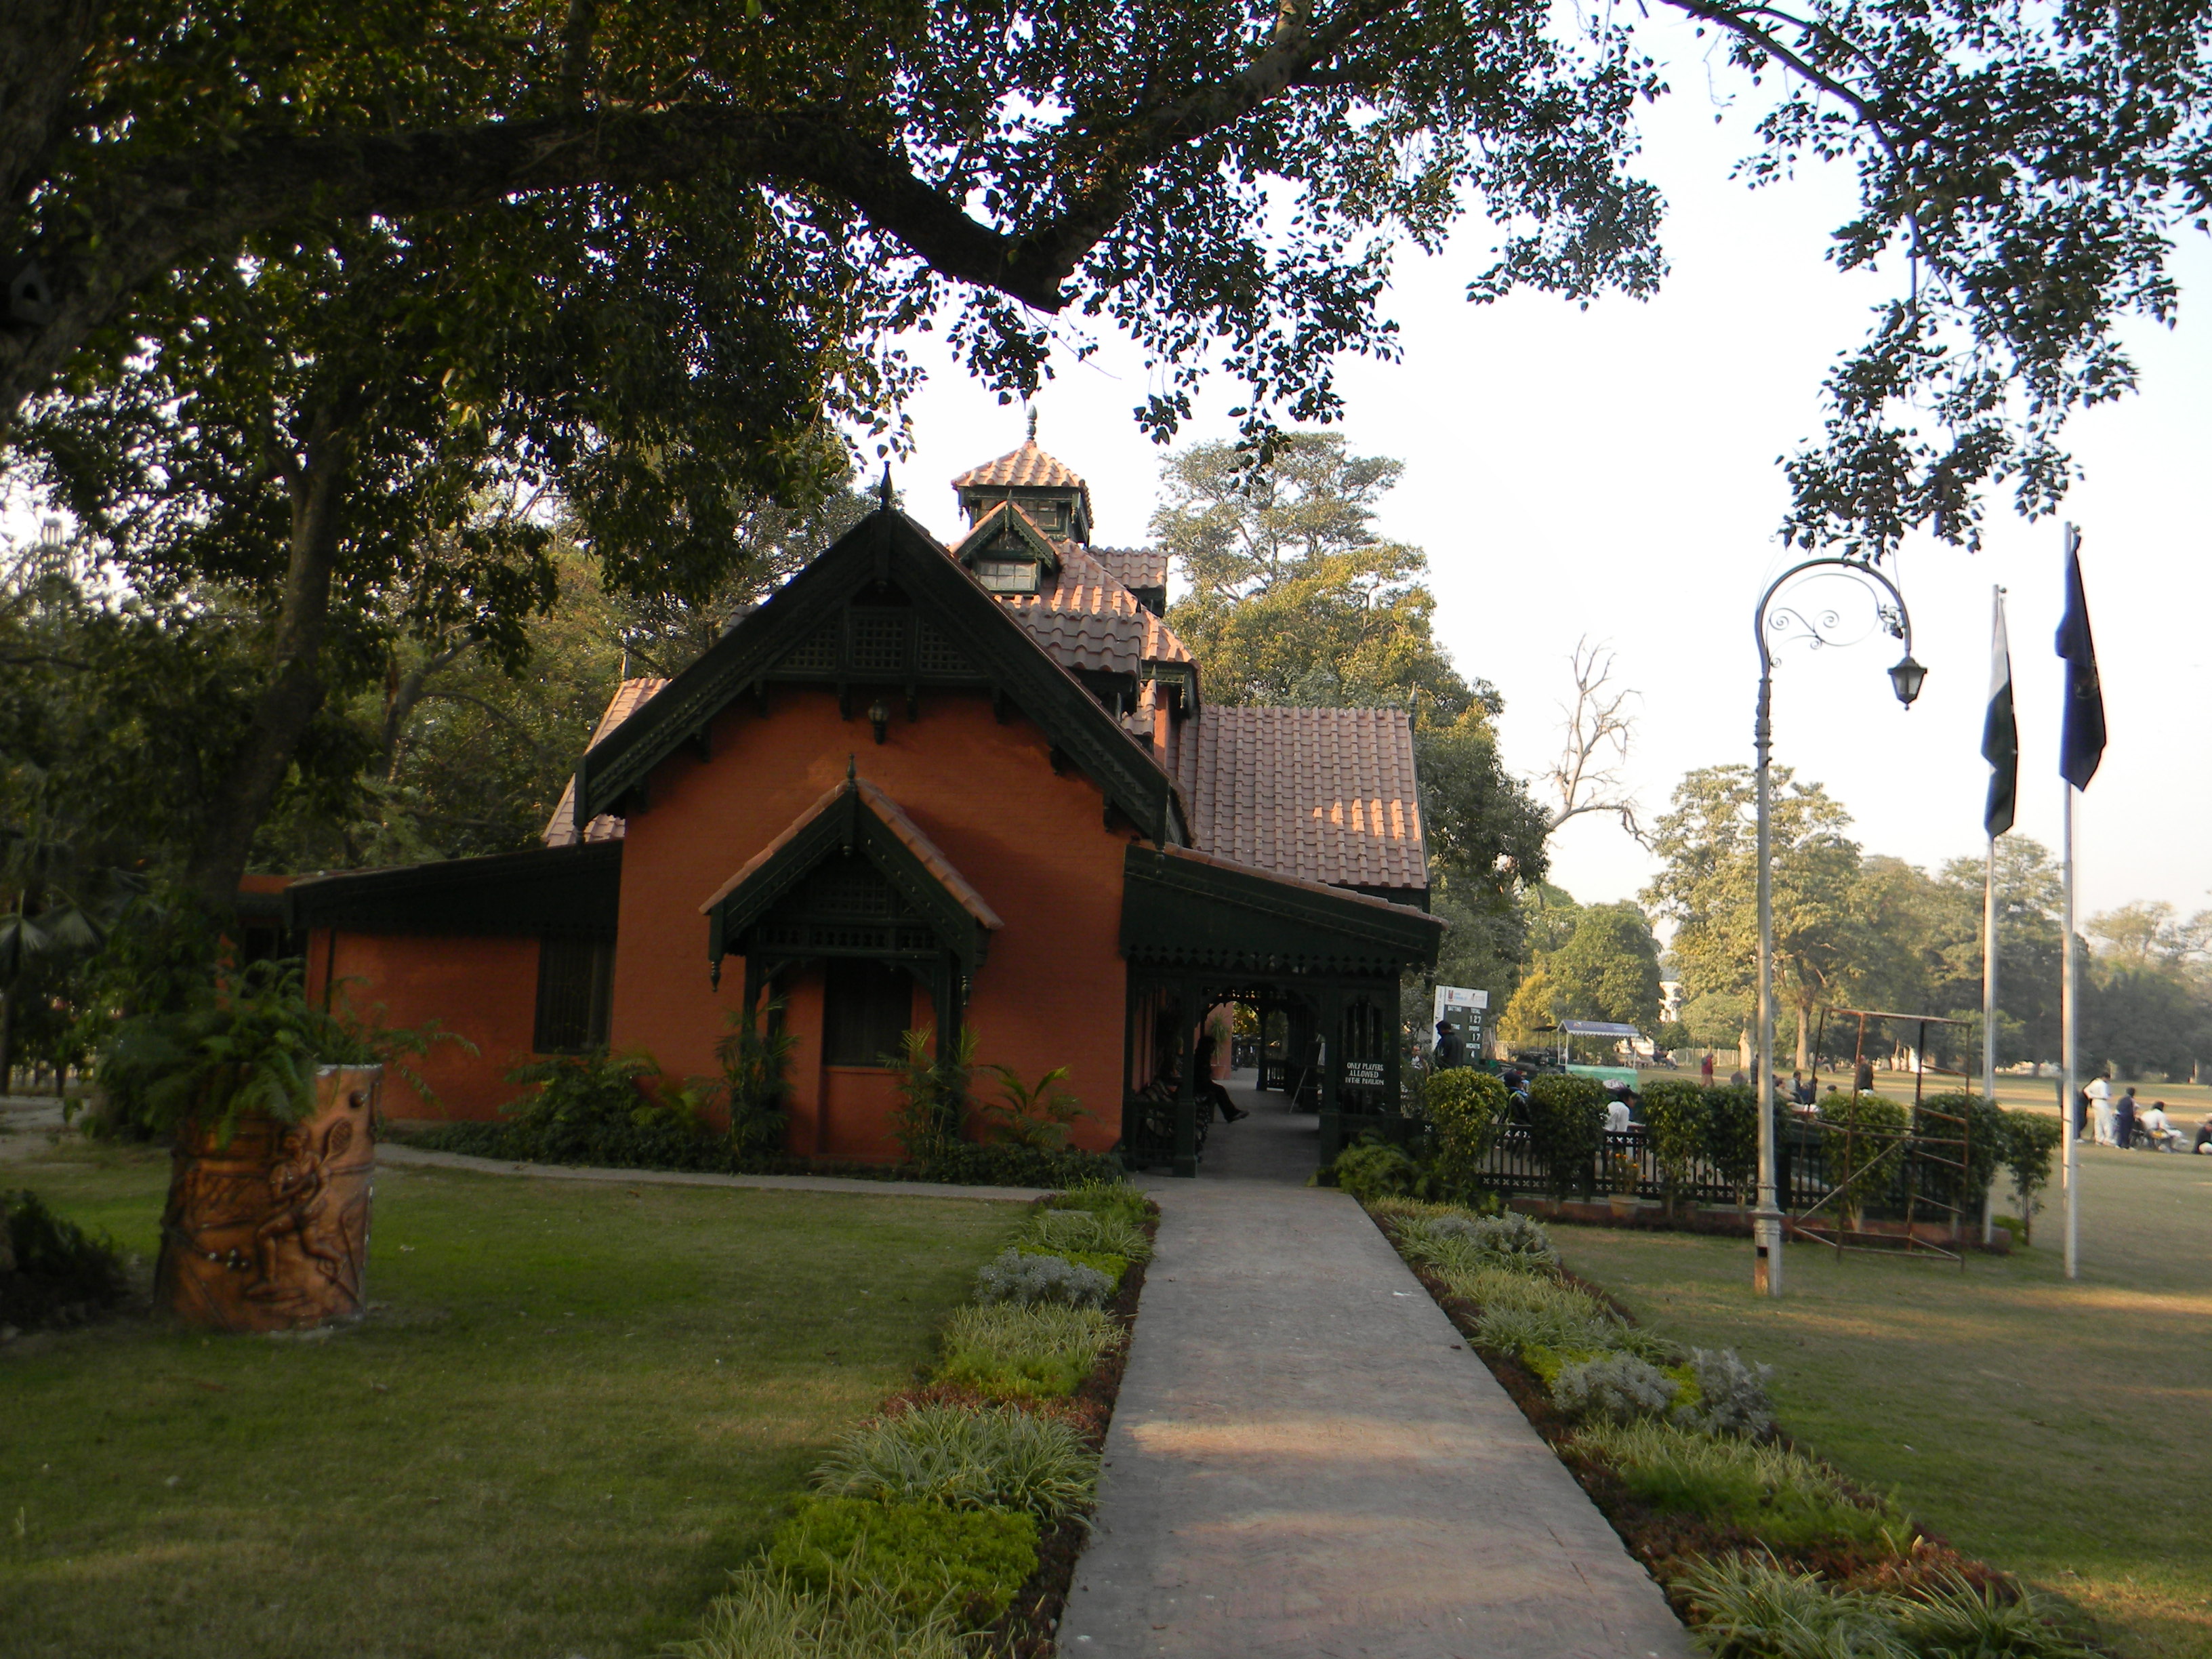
{"x": 2000, "y": 732}
{"x": 2082, "y": 744}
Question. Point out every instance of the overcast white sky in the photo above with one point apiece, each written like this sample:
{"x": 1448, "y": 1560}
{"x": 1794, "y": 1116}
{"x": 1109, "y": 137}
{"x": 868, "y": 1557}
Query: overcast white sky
{"x": 1611, "y": 473}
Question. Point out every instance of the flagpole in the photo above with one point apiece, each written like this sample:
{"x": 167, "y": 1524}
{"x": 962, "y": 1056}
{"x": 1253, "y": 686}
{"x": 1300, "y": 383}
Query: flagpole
{"x": 1989, "y": 1015}
{"x": 2069, "y": 987}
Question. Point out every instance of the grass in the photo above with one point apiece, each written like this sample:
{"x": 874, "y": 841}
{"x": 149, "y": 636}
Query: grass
{"x": 2056, "y": 1430}
{"x": 573, "y": 1410}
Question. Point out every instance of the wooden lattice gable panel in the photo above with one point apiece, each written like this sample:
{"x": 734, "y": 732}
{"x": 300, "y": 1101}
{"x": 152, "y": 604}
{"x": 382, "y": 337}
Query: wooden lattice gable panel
{"x": 866, "y": 880}
{"x": 1181, "y": 909}
{"x": 1007, "y": 553}
{"x": 885, "y": 609}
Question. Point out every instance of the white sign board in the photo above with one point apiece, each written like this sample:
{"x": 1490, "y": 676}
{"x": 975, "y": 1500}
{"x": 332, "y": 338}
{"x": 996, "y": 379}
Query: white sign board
{"x": 1460, "y": 1004}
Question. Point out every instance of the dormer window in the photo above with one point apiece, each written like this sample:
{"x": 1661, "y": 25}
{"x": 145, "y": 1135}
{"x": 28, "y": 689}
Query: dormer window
{"x": 1007, "y": 575}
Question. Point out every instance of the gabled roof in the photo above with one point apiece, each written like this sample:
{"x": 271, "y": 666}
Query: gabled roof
{"x": 561, "y": 828}
{"x": 887, "y": 548}
{"x": 1006, "y": 520}
{"x": 561, "y": 890}
{"x": 1325, "y": 794}
{"x": 855, "y": 816}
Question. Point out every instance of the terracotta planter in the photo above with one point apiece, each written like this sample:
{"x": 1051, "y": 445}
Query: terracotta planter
{"x": 1623, "y": 1205}
{"x": 270, "y": 1232}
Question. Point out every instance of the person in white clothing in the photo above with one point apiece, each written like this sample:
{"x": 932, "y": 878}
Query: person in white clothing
{"x": 2157, "y": 1129}
{"x": 2100, "y": 1102}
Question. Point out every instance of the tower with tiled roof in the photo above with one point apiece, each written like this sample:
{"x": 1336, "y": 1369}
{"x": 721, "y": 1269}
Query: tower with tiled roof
{"x": 1051, "y": 493}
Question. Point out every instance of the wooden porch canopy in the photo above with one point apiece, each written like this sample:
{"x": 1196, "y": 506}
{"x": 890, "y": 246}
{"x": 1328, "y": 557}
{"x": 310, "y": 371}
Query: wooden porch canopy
{"x": 854, "y": 876}
{"x": 1208, "y": 930}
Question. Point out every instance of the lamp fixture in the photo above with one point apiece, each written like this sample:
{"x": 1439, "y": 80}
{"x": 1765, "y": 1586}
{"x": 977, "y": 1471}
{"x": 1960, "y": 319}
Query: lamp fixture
{"x": 1904, "y": 679}
{"x": 880, "y": 716}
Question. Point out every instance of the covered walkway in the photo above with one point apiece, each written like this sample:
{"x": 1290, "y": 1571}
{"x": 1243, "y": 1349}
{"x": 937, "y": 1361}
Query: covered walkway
{"x": 1306, "y": 1460}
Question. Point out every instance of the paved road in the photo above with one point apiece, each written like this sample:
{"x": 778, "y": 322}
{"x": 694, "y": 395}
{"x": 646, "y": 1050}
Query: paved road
{"x": 1306, "y": 1460}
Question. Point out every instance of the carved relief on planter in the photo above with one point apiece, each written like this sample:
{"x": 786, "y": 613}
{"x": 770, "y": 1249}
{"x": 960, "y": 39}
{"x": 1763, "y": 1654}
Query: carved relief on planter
{"x": 270, "y": 1232}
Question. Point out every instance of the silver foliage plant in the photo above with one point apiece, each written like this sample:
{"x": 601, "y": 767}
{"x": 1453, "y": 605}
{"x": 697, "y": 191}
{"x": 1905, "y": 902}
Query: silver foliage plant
{"x": 1014, "y": 1277}
{"x": 1509, "y": 1240}
{"x": 1732, "y": 1393}
{"x": 1617, "y": 1388}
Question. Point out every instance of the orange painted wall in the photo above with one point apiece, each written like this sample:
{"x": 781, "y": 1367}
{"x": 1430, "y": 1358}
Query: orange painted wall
{"x": 1033, "y": 844}
{"x": 483, "y": 989}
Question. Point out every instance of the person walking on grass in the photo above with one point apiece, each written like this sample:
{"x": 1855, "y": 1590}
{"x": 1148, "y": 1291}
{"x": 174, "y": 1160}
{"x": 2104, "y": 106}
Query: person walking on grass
{"x": 1705, "y": 1072}
{"x": 1450, "y": 1050}
{"x": 2100, "y": 1106}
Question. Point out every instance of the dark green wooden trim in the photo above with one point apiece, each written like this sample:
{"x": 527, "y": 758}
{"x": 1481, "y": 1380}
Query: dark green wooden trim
{"x": 1041, "y": 551}
{"x": 569, "y": 891}
{"x": 889, "y": 547}
{"x": 848, "y": 824}
{"x": 1190, "y": 913}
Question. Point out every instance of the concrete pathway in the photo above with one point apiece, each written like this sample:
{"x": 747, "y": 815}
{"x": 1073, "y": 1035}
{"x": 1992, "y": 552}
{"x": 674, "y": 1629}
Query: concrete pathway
{"x": 1306, "y": 1460}
{"x": 395, "y": 1151}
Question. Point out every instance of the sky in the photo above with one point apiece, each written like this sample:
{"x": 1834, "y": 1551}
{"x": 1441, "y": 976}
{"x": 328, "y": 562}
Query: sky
{"x": 1610, "y": 475}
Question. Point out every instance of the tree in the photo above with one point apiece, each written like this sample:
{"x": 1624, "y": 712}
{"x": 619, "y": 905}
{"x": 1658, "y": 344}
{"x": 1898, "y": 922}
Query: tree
{"x": 1535, "y": 1007}
{"x": 1598, "y": 730}
{"x": 1609, "y": 970}
{"x": 1224, "y": 181}
{"x": 1707, "y": 886}
{"x": 345, "y": 444}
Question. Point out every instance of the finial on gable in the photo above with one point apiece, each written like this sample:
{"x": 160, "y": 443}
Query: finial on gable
{"x": 851, "y": 764}
{"x": 883, "y": 489}
{"x": 1032, "y": 423}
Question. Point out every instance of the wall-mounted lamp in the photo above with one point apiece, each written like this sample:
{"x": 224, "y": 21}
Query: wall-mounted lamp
{"x": 880, "y": 716}
{"x": 1904, "y": 679}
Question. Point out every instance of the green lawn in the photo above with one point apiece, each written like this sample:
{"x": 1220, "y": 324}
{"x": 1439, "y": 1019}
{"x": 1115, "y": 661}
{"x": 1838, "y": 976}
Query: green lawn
{"x": 2062, "y": 1430}
{"x": 573, "y": 1407}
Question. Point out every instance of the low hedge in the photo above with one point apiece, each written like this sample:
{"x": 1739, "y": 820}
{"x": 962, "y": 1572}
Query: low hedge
{"x": 51, "y": 1271}
{"x": 927, "y": 1555}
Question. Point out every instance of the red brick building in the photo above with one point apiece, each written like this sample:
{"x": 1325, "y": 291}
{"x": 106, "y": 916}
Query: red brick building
{"x": 934, "y": 788}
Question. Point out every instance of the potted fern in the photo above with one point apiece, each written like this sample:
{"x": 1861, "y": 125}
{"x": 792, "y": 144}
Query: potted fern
{"x": 270, "y": 1106}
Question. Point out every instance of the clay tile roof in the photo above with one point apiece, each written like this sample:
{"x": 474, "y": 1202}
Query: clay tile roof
{"x": 1134, "y": 566}
{"x": 1322, "y": 794}
{"x": 894, "y": 819}
{"x": 561, "y": 830}
{"x": 1089, "y": 620}
{"x": 1026, "y": 468}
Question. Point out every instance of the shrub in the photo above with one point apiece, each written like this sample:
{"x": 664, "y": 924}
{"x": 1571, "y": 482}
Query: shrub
{"x": 1012, "y": 1276}
{"x": 1955, "y": 1616}
{"x": 756, "y": 1059}
{"x": 1488, "y": 1285}
{"x": 1750, "y": 1609}
{"x": 966, "y": 1457}
{"x": 1089, "y": 1231}
{"x": 1520, "y": 1331}
{"x": 932, "y": 1093}
{"x": 1780, "y": 1496}
{"x": 964, "y": 1164}
{"x": 2029, "y": 1144}
{"x": 1031, "y": 1114}
{"x": 1615, "y": 1388}
{"x": 1509, "y": 1240}
{"x": 1113, "y": 1197}
{"x": 1466, "y": 1110}
{"x": 1371, "y": 1172}
{"x": 1861, "y": 1141}
{"x": 1732, "y": 1396}
{"x": 51, "y": 1271}
{"x": 1732, "y": 1135}
{"x": 1678, "y": 1117}
{"x": 1566, "y": 1130}
{"x": 767, "y": 1616}
{"x": 1014, "y": 1352}
{"x": 589, "y": 1108}
{"x": 1101, "y": 1262}
{"x": 968, "y": 1562}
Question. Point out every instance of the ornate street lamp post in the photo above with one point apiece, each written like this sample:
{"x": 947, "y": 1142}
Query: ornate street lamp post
{"x": 1818, "y": 627}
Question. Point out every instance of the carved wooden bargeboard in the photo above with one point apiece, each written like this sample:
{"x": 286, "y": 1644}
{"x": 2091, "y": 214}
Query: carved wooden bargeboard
{"x": 270, "y": 1231}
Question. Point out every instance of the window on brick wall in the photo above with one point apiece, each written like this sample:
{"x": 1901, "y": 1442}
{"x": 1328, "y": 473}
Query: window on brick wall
{"x": 575, "y": 988}
{"x": 866, "y": 1008}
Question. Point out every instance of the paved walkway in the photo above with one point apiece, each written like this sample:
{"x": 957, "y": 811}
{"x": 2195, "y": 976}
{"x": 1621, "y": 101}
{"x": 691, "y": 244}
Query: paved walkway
{"x": 394, "y": 1152}
{"x": 1305, "y": 1461}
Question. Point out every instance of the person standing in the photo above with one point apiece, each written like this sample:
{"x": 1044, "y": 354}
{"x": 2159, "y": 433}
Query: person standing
{"x": 1705, "y": 1072}
{"x": 2100, "y": 1106}
{"x": 1450, "y": 1049}
{"x": 2123, "y": 1120}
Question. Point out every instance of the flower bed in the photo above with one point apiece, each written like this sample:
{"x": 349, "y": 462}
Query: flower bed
{"x": 1763, "y": 1549}
{"x": 952, "y": 1520}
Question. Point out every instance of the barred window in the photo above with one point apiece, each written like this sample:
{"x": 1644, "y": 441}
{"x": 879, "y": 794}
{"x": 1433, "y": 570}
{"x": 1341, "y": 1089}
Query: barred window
{"x": 866, "y": 1007}
{"x": 575, "y": 989}
{"x": 878, "y": 642}
{"x": 816, "y": 652}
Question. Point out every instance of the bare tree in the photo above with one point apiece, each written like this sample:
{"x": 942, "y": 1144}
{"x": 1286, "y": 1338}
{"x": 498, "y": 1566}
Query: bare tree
{"x": 1598, "y": 730}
